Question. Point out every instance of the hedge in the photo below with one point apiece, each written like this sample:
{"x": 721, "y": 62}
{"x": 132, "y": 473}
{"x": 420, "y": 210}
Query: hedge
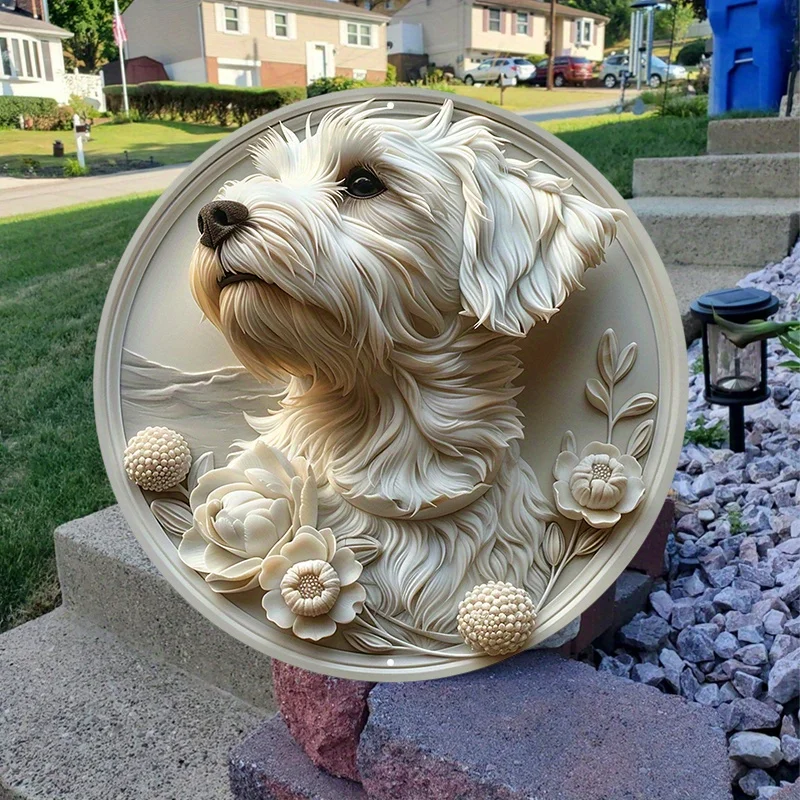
{"x": 201, "y": 102}
{"x": 40, "y": 113}
{"x": 690, "y": 54}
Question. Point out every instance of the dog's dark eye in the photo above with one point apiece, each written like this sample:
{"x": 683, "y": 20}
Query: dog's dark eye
{"x": 362, "y": 182}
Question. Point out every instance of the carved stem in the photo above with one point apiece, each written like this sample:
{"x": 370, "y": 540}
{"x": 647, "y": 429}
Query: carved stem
{"x": 555, "y": 572}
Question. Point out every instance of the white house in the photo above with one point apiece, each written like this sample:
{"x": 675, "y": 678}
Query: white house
{"x": 31, "y": 52}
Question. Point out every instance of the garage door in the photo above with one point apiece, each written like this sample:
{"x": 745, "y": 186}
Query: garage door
{"x": 238, "y": 76}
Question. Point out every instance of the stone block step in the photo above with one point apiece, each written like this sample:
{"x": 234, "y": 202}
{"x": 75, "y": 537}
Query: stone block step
{"x": 728, "y": 232}
{"x": 83, "y": 716}
{"x": 539, "y": 726}
{"x": 760, "y": 135}
{"x": 750, "y": 175}
{"x": 107, "y": 578}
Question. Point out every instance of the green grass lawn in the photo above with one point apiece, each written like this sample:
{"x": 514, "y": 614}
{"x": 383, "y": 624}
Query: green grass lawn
{"x": 534, "y": 98}
{"x": 50, "y": 466}
{"x": 166, "y": 142}
{"x": 50, "y": 303}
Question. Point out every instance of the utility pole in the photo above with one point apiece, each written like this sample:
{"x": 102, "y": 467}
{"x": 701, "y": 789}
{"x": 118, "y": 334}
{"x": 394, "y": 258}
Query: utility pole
{"x": 551, "y": 56}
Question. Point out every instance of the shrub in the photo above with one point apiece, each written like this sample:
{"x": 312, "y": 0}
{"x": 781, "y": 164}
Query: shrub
{"x": 29, "y": 107}
{"x": 338, "y": 84}
{"x": 690, "y": 54}
{"x": 685, "y": 106}
{"x": 201, "y": 102}
{"x": 83, "y": 107}
{"x": 535, "y": 58}
{"x": 59, "y": 119}
{"x": 391, "y": 75}
{"x": 73, "y": 169}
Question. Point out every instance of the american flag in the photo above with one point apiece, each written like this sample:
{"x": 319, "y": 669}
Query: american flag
{"x": 120, "y": 34}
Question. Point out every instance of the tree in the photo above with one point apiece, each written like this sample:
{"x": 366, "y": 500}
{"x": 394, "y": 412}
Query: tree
{"x": 92, "y": 43}
{"x": 618, "y": 13}
{"x": 684, "y": 17}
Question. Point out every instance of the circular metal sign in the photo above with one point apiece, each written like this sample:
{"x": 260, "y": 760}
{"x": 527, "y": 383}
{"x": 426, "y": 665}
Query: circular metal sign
{"x": 390, "y": 384}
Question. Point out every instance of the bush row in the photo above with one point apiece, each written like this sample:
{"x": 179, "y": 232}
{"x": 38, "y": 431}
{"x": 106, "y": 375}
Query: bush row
{"x": 38, "y": 113}
{"x": 201, "y": 102}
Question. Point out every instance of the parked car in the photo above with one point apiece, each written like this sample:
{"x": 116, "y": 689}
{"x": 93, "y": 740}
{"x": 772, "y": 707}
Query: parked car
{"x": 566, "y": 69}
{"x": 510, "y": 71}
{"x": 613, "y": 67}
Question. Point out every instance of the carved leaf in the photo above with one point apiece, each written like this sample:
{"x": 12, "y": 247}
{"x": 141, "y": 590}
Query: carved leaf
{"x": 201, "y": 465}
{"x": 365, "y": 548}
{"x": 597, "y": 395}
{"x": 553, "y": 545}
{"x": 173, "y": 516}
{"x": 568, "y": 443}
{"x": 607, "y": 356}
{"x": 626, "y": 361}
{"x": 366, "y": 642}
{"x": 638, "y": 404}
{"x": 591, "y": 541}
{"x": 641, "y": 439}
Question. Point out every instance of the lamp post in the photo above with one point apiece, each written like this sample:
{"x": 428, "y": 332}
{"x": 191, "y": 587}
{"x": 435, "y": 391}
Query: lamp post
{"x": 734, "y": 376}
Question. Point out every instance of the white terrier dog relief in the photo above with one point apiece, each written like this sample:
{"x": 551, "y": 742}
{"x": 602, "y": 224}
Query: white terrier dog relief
{"x": 354, "y": 402}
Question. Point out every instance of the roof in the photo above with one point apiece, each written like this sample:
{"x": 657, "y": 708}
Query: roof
{"x": 332, "y": 8}
{"x": 12, "y": 21}
{"x": 542, "y": 8}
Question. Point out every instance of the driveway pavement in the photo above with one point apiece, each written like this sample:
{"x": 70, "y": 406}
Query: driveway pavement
{"x": 25, "y": 195}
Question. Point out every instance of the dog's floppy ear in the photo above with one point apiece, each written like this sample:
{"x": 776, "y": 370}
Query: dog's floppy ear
{"x": 527, "y": 242}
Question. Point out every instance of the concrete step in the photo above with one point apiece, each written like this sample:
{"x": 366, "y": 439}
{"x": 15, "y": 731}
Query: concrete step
{"x": 728, "y": 232}
{"x": 689, "y": 281}
{"x": 83, "y": 716}
{"x": 751, "y": 175}
{"x": 107, "y": 578}
{"x": 760, "y": 135}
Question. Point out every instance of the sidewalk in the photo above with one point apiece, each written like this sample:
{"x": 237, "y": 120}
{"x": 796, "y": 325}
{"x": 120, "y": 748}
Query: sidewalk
{"x": 578, "y": 109}
{"x": 26, "y": 195}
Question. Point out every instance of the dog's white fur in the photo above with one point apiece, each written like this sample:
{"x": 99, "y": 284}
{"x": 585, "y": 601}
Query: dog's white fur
{"x": 393, "y": 322}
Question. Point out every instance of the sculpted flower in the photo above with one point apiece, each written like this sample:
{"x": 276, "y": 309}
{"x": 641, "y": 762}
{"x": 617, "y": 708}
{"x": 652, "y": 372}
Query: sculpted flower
{"x": 243, "y": 512}
{"x": 600, "y": 485}
{"x": 311, "y": 585}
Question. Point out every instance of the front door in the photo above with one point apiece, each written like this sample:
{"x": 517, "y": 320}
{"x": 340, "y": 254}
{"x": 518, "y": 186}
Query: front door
{"x": 317, "y": 67}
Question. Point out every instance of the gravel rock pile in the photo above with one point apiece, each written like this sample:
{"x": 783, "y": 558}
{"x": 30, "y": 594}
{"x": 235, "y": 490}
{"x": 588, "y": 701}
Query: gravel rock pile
{"x": 723, "y": 627}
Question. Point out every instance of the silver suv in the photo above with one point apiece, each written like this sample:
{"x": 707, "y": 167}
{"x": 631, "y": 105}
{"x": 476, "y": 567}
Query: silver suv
{"x": 510, "y": 71}
{"x": 612, "y": 68}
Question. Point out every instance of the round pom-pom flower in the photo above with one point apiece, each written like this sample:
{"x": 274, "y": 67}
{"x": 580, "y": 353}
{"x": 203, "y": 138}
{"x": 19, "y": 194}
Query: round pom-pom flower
{"x": 157, "y": 459}
{"x": 496, "y": 618}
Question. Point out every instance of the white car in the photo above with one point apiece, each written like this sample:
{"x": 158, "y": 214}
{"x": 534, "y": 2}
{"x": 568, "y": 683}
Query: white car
{"x": 510, "y": 71}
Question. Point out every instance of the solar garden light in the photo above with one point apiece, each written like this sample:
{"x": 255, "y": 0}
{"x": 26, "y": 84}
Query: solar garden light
{"x": 735, "y": 370}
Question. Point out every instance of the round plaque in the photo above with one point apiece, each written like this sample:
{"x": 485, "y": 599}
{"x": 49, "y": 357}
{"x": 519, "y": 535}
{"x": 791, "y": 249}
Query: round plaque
{"x": 390, "y": 384}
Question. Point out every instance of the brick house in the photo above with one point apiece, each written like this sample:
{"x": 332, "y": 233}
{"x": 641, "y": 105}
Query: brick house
{"x": 258, "y": 42}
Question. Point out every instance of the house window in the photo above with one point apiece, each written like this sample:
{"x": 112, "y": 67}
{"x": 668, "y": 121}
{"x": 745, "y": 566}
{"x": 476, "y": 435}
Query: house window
{"x": 6, "y": 68}
{"x": 494, "y": 19}
{"x": 231, "y": 19}
{"x": 281, "y": 25}
{"x": 359, "y": 35}
{"x": 523, "y": 22}
{"x": 584, "y": 36}
{"x": 20, "y": 58}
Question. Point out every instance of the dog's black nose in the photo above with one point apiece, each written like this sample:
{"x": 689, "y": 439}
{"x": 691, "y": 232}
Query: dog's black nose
{"x": 218, "y": 220}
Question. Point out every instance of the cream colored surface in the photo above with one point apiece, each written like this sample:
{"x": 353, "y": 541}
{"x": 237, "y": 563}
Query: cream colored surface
{"x": 505, "y": 42}
{"x": 629, "y": 292}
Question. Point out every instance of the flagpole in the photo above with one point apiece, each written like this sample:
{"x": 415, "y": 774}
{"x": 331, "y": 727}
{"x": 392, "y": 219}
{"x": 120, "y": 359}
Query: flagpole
{"x": 121, "y": 44}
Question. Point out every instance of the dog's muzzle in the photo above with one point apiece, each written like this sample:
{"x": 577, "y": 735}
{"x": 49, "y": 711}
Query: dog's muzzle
{"x": 219, "y": 219}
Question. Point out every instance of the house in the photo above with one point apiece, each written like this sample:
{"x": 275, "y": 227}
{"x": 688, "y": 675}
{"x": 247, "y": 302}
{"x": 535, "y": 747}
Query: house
{"x": 461, "y": 35}
{"x": 31, "y": 52}
{"x": 258, "y": 42}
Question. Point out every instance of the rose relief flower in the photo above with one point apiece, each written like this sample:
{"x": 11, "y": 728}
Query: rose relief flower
{"x": 311, "y": 585}
{"x": 600, "y": 485}
{"x": 245, "y": 511}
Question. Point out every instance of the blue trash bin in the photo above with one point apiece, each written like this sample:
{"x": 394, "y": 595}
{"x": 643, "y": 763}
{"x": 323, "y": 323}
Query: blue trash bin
{"x": 752, "y": 53}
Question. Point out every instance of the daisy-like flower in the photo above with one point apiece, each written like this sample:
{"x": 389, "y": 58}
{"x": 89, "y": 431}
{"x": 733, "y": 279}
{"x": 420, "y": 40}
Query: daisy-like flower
{"x": 600, "y": 485}
{"x": 245, "y": 511}
{"x": 312, "y": 585}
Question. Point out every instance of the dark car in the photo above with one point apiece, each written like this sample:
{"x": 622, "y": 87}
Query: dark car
{"x": 566, "y": 69}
